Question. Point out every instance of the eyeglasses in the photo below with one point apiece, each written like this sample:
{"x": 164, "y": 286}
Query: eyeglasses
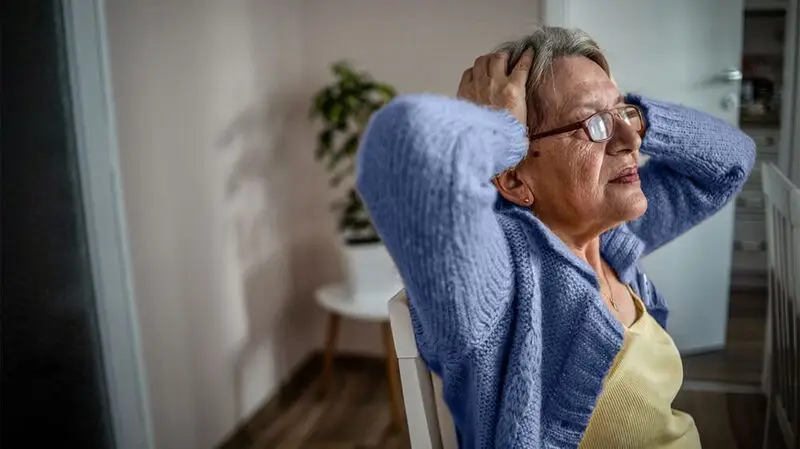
{"x": 600, "y": 126}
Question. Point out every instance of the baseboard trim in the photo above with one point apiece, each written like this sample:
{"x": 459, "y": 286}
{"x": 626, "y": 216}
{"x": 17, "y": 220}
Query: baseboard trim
{"x": 302, "y": 376}
{"x": 721, "y": 387}
{"x": 701, "y": 350}
{"x": 750, "y": 288}
{"x": 298, "y": 381}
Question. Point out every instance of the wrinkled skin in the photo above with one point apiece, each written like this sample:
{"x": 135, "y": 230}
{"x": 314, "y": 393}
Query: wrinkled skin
{"x": 566, "y": 178}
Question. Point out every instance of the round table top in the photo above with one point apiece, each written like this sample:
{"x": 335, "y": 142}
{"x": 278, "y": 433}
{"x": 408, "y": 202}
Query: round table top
{"x": 367, "y": 305}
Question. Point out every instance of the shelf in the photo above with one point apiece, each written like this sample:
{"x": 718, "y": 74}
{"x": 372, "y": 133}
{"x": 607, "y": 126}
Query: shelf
{"x": 769, "y": 121}
{"x": 749, "y": 261}
{"x": 759, "y": 124}
{"x": 766, "y": 6}
{"x": 751, "y": 199}
{"x": 750, "y": 246}
{"x": 766, "y": 139}
{"x": 748, "y": 279}
{"x": 754, "y": 230}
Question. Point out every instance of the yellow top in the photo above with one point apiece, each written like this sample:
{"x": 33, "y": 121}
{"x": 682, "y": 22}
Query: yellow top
{"x": 634, "y": 409}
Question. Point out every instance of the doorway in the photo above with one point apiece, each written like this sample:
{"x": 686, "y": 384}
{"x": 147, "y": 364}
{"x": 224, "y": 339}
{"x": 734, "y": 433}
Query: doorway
{"x": 766, "y": 46}
{"x": 53, "y": 384}
{"x": 694, "y": 52}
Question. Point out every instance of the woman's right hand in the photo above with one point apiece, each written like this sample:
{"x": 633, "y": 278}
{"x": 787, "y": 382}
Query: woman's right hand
{"x": 487, "y": 83}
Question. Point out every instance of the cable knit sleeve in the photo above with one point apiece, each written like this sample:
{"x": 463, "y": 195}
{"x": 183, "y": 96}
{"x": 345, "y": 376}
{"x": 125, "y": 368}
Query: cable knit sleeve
{"x": 424, "y": 172}
{"x": 697, "y": 164}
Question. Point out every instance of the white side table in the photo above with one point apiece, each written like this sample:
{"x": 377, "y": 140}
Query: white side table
{"x": 339, "y": 303}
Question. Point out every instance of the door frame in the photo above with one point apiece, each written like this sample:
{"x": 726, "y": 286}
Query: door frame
{"x": 789, "y": 155}
{"x": 86, "y": 39}
{"x": 554, "y": 13}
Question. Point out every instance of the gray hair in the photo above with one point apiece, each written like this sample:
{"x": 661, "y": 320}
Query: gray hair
{"x": 548, "y": 44}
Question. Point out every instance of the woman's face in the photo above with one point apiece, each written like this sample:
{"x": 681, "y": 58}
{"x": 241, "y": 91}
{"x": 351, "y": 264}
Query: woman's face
{"x": 571, "y": 181}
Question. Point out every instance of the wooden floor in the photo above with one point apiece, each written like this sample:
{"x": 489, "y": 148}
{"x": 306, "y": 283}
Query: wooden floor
{"x": 741, "y": 360}
{"x": 355, "y": 412}
{"x": 355, "y": 415}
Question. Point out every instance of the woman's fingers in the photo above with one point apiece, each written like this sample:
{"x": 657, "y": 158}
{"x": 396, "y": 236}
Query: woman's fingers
{"x": 464, "y": 86}
{"x": 498, "y": 65}
{"x": 495, "y": 65}
{"x": 480, "y": 70}
{"x": 488, "y": 83}
{"x": 519, "y": 75}
{"x": 466, "y": 77}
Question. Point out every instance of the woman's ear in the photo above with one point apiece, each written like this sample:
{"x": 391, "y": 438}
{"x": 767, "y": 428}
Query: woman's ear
{"x": 513, "y": 189}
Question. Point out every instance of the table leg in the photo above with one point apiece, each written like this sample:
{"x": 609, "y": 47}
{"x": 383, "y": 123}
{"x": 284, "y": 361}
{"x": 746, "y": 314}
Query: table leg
{"x": 393, "y": 376}
{"x": 332, "y": 334}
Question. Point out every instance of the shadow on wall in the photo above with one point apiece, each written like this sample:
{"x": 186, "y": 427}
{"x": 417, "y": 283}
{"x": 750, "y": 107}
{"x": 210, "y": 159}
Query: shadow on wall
{"x": 273, "y": 209}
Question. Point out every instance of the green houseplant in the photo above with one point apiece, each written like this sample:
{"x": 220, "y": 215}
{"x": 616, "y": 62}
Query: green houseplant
{"x": 344, "y": 108}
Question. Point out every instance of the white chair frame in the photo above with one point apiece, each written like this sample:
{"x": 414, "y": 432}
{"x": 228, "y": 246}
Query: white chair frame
{"x": 430, "y": 425}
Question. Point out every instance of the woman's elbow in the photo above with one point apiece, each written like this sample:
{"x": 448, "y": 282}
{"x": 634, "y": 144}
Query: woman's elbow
{"x": 403, "y": 145}
{"x": 741, "y": 159}
{"x": 749, "y": 153}
{"x": 373, "y": 159}
{"x": 744, "y": 155}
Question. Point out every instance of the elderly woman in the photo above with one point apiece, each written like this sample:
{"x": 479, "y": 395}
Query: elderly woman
{"x": 530, "y": 304}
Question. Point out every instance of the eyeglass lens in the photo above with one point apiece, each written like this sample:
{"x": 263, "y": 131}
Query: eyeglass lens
{"x": 601, "y": 126}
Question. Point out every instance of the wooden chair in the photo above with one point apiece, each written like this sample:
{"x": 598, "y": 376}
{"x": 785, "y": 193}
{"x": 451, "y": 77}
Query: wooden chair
{"x": 783, "y": 348}
{"x": 430, "y": 425}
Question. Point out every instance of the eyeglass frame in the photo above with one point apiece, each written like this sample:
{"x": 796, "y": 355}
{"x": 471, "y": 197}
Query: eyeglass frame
{"x": 582, "y": 124}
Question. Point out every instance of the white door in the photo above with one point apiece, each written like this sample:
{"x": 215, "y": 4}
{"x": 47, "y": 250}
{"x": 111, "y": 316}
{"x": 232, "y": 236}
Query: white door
{"x": 676, "y": 51}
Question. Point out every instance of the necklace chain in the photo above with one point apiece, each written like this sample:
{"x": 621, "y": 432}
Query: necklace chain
{"x": 610, "y": 290}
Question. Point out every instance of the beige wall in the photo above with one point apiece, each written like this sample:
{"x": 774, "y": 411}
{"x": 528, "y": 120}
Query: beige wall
{"x": 228, "y": 214}
{"x": 415, "y": 45}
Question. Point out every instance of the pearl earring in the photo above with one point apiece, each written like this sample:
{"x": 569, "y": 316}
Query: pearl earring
{"x": 527, "y": 200}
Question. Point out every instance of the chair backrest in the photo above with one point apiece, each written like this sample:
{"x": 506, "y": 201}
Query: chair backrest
{"x": 783, "y": 245}
{"x": 430, "y": 425}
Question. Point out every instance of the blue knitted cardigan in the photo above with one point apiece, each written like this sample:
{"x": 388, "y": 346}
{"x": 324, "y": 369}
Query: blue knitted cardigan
{"x": 502, "y": 310}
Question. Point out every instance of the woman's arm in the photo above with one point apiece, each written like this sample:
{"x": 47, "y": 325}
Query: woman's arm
{"x": 424, "y": 172}
{"x": 697, "y": 164}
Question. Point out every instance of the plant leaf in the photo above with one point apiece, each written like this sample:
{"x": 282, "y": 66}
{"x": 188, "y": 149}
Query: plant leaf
{"x": 345, "y": 107}
{"x": 324, "y": 143}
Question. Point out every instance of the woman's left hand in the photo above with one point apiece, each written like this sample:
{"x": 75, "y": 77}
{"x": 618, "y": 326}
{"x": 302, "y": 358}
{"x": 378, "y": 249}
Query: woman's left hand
{"x": 487, "y": 83}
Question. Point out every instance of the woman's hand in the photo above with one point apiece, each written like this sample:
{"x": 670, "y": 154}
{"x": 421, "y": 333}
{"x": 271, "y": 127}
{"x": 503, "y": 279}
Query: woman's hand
{"x": 487, "y": 83}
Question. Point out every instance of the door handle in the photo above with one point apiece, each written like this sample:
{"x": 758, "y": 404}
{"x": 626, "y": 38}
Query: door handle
{"x": 730, "y": 75}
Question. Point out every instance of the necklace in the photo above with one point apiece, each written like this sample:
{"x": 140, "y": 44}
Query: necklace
{"x": 610, "y": 290}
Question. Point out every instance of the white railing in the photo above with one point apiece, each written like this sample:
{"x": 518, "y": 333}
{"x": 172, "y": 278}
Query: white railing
{"x": 783, "y": 329}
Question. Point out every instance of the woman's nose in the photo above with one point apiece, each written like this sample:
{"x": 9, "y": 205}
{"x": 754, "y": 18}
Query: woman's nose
{"x": 625, "y": 139}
